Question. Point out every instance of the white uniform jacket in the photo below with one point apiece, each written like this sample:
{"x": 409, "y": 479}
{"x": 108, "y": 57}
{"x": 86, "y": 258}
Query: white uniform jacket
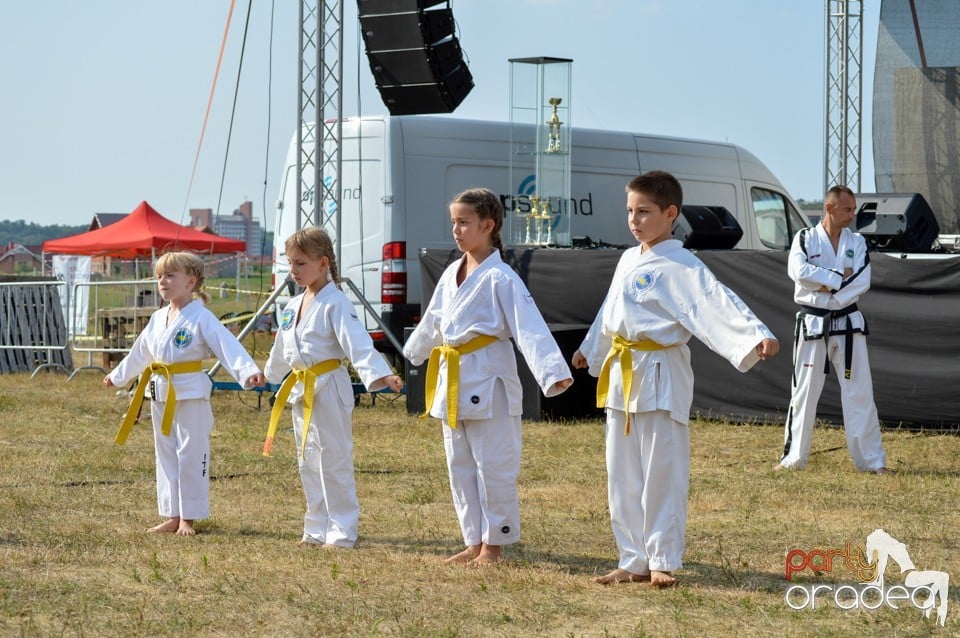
{"x": 666, "y": 294}
{"x": 191, "y": 336}
{"x": 491, "y": 301}
{"x": 328, "y": 328}
{"x": 813, "y": 264}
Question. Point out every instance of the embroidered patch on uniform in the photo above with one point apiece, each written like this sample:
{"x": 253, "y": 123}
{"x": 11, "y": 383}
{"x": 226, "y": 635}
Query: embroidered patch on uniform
{"x": 286, "y": 319}
{"x": 183, "y": 338}
{"x": 505, "y": 529}
{"x": 474, "y": 399}
{"x": 849, "y": 253}
{"x": 643, "y": 281}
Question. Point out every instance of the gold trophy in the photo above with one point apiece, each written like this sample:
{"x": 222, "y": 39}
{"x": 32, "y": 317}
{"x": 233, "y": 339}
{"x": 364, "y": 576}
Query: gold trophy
{"x": 544, "y": 218}
{"x": 534, "y": 205}
{"x": 553, "y": 125}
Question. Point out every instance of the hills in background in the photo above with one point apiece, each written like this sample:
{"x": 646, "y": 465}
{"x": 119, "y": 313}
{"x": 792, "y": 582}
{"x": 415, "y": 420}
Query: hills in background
{"x": 31, "y": 234}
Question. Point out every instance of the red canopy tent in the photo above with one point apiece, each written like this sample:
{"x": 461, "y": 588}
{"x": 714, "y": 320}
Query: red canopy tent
{"x": 142, "y": 233}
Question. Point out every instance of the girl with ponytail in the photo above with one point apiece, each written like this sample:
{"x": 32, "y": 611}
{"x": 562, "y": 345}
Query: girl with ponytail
{"x": 472, "y": 384}
{"x": 318, "y": 329}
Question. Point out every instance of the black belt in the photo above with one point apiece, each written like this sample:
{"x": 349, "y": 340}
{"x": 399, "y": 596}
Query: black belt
{"x": 829, "y": 316}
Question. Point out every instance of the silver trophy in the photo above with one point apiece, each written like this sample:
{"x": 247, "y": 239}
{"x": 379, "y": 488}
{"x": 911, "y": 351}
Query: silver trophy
{"x": 553, "y": 127}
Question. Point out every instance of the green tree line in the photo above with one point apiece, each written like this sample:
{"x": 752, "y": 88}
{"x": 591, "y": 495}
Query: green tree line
{"x": 31, "y": 234}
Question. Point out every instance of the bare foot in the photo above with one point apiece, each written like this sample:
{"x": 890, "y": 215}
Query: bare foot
{"x": 169, "y": 525}
{"x": 465, "y": 556}
{"x": 186, "y": 528}
{"x": 489, "y": 555}
{"x": 621, "y": 576}
{"x": 662, "y": 579}
{"x": 309, "y": 543}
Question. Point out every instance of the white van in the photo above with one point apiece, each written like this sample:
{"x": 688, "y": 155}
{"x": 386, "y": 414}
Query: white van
{"x": 399, "y": 174}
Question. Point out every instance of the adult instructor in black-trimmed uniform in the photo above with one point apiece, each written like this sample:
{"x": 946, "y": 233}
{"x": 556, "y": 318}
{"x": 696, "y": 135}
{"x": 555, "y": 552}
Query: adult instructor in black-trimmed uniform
{"x": 830, "y": 267}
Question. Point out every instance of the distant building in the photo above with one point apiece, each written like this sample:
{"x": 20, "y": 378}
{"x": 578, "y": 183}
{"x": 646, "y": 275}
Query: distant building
{"x": 104, "y": 264}
{"x": 105, "y": 219}
{"x": 240, "y": 225}
{"x": 16, "y": 258}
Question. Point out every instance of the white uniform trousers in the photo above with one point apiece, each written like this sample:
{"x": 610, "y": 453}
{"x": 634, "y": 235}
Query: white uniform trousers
{"x": 326, "y": 470}
{"x": 183, "y": 459}
{"x": 860, "y": 422}
{"x": 483, "y": 459}
{"x": 648, "y": 479}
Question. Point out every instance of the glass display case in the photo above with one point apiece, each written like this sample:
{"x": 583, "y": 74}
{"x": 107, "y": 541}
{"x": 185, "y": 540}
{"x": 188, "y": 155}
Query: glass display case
{"x": 539, "y": 207}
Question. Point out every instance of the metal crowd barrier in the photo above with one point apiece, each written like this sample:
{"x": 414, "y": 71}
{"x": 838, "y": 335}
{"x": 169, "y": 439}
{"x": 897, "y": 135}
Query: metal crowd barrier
{"x": 33, "y": 335}
{"x": 116, "y": 312}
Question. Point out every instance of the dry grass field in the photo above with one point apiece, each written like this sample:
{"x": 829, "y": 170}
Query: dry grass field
{"x": 75, "y": 561}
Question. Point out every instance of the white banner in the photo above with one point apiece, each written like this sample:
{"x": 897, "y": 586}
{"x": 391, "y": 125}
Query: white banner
{"x": 74, "y": 269}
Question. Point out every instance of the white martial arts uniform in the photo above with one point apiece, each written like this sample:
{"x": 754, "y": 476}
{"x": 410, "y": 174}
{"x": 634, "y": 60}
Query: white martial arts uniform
{"x": 665, "y": 295}
{"x": 483, "y": 447}
{"x": 183, "y": 458}
{"x": 328, "y": 328}
{"x": 830, "y": 325}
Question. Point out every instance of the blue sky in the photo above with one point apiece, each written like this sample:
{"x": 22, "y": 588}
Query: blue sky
{"x": 103, "y": 101}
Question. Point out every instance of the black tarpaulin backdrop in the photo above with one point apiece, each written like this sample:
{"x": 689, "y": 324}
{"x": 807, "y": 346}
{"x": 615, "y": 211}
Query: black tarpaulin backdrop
{"x": 912, "y": 309}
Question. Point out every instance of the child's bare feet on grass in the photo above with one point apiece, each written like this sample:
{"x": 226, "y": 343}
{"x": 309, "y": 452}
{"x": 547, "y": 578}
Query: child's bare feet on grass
{"x": 621, "y": 576}
{"x": 308, "y": 544}
{"x": 662, "y": 579}
{"x": 186, "y": 528}
{"x": 465, "y": 556}
{"x": 169, "y": 525}
{"x": 489, "y": 555}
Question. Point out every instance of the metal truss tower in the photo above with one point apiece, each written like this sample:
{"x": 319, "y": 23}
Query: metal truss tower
{"x": 320, "y": 109}
{"x": 844, "y": 102}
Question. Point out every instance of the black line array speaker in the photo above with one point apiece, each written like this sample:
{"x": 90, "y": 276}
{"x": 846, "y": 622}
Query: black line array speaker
{"x": 707, "y": 227}
{"x": 414, "y": 55}
{"x": 896, "y": 221}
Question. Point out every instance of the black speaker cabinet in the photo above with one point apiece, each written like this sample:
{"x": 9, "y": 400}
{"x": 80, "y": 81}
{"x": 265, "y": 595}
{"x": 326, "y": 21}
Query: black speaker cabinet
{"x": 896, "y": 221}
{"x": 373, "y": 7}
{"x": 579, "y": 401}
{"x": 707, "y": 227}
{"x": 414, "y": 56}
{"x": 414, "y": 381}
{"x": 437, "y": 97}
{"x": 413, "y": 30}
{"x": 405, "y": 67}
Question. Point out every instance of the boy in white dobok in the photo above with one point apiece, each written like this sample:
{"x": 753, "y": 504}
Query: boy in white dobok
{"x": 831, "y": 269}
{"x": 660, "y": 296}
{"x": 472, "y": 384}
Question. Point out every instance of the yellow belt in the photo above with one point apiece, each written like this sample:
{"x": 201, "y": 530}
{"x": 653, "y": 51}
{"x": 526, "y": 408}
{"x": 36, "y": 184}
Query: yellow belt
{"x": 309, "y": 379}
{"x": 622, "y": 348}
{"x": 452, "y": 355}
{"x": 133, "y": 411}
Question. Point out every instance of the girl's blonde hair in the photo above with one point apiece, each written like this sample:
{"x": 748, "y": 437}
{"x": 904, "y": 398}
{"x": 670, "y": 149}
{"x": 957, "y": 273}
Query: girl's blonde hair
{"x": 187, "y": 263}
{"x": 315, "y": 243}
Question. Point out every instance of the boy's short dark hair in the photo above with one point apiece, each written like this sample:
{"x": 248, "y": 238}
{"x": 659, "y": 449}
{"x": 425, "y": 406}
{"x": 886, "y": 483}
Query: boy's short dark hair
{"x": 660, "y": 186}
